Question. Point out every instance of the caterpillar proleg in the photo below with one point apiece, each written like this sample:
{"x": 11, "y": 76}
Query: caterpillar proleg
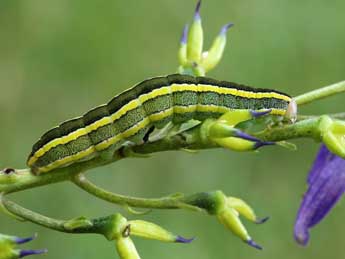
{"x": 154, "y": 102}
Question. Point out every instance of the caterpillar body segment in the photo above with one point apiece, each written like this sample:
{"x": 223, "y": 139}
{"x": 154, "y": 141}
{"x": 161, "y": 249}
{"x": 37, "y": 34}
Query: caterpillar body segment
{"x": 153, "y": 102}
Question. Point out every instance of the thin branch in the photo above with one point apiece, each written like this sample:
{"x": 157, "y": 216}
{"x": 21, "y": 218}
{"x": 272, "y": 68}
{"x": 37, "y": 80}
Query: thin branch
{"x": 320, "y": 93}
{"x": 168, "y": 202}
{"x": 13, "y": 180}
{"x": 20, "y": 180}
{"x": 339, "y": 116}
{"x": 79, "y": 225}
{"x": 34, "y": 217}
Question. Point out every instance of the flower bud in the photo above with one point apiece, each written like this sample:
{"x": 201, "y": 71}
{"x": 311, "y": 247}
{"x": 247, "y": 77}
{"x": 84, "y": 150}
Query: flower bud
{"x": 214, "y": 55}
{"x": 195, "y": 37}
{"x": 9, "y": 250}
{"x": 236, "y": 144}
{"x": 182, "y": 52}
{"x": 228, "y": 210}
{"x": 126, "y": 248}
{"x": 116, "y": 227}
{"x": 229, "y": 217}
{"x": 244, "y": 210}
{"x": 192, "y": 59}
{"x": 152, "y": 231}
{"x": 227, "y": 136}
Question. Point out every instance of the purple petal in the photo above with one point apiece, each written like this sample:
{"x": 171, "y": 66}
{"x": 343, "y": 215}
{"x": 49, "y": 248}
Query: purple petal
{"x": 257, "y": 114}
{"x": 180, "y": 239}
{"x": 253, "y": 244}
{"x": 184, "y": 35}
{"x": 261, "y": 221}
{"x": 197, "y": 11}
{"x": 258, "y": 142}
{"x": 241, "y": 134}
{"x": 24, "y": 253}
{"x": 225, "y": 28}
{"x": 320, "y": 162}
{"x": 326, "y": 185}
{"x": 19, "y": 240}
{"x": 263, "y": 143}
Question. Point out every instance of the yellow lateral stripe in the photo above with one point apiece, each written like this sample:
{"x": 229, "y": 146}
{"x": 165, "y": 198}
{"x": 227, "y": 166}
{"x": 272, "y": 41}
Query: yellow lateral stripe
{"x": 219, "y": 109}
{"x": 143, "y": 98}
{"x": 184, "y": 109}
{"x": 107, "y": 143}
{"x": 67, "y": 160}
{"x": 161, "y": 115}
{"x": 129, "y": 132}
{"x": 135, "y": 128}
{"x": 97, "y": 124}
{"x": 103, "y": 145}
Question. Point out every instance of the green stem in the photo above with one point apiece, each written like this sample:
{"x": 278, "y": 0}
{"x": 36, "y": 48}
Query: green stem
{"x": 320, "y": 93}
{"x": 34, "y": 217}
{"x": 20, "y": 180}
{"x": 102, "y": 225}
{"x": 168, "y": 202}
{"x": 339, "y": 116}
{"x": 306, "y": 128}
{"x": 205, "y": 202}
{"x": 17, "y": 180}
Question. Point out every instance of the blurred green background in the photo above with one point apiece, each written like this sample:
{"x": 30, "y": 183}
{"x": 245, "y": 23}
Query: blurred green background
{"x": 60, "y": 58}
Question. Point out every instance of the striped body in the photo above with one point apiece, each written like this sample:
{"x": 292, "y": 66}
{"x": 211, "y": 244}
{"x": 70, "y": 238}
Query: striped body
{"x": 153, "y": 102}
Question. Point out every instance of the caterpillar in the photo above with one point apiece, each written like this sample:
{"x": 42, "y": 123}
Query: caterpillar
{"x": 154, "y": 102}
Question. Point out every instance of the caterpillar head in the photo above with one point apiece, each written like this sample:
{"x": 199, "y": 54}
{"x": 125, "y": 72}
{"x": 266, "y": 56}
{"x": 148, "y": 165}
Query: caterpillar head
{"x": 291, "y": 112}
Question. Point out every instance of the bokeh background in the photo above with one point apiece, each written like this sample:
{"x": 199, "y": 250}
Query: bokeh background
{"x": 60, "y": 58}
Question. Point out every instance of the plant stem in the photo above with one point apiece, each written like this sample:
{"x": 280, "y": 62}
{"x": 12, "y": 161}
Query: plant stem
{"x": 15, "y": 180}
{"x": 320, "y": 93}
{"x": 80, "y": 225}
{"x": 23, "y": 179}
{"x": 204, "y": 202}
{"x": 33, "y": 216}
{"x": 339, "y": 116}
{"x": 168, "y": 202}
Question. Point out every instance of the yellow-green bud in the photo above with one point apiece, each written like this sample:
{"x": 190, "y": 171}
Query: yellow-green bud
{"x": 229, "y": 217}
{"x": 235, "y": 144}
{"x": 182, "y": 52}
{"x": 151, "y": 231}
{"x": 228, "y": 210}
{"x": 195, "y": 37}
{"x": 242, "y": 208}
{"x": 9, "y": 250}
{"x": 214, "y": 55}
{"x": 126, "y": 248}
{"x": 234, "y": 117}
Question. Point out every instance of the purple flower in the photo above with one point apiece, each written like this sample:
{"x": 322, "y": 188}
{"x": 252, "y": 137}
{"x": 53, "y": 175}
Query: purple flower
{"x": 326, "y": 182}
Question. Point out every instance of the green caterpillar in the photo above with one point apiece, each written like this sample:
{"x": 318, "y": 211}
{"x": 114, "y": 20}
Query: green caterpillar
{"x": 152, "y": 103}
